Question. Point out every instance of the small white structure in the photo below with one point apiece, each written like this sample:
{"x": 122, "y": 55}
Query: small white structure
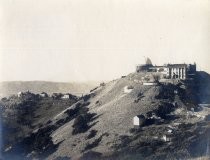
{"x": 149, "y": 83}
{"x": 43, "y": 94}
{"x": 128, "y": 89}
{"x": 167, "y": 137}
{"x": 175, "y": 91}
{"x": 138, "y": 120}
{"x": 170, "y": 131}
{"x": 65, "y": 96}
{"x": 154, "y": 116}
{"x": 8, "y": 149}
{"x": 20, "y": 94}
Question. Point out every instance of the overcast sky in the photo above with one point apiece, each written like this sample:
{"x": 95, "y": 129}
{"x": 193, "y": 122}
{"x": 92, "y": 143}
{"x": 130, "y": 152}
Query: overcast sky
{"x": 84, "y": 40}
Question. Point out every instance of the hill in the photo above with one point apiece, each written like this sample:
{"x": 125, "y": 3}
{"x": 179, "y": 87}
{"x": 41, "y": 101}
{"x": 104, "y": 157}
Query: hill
{"x": 22, "y": 115}
{"x": 202, "y": 82}
{"x": 100, "y": 125}
{"x": 13, "y": 87}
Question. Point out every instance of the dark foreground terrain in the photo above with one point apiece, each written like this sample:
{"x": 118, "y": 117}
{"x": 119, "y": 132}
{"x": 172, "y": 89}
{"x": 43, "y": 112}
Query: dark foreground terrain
{"x": 99, "y": 125}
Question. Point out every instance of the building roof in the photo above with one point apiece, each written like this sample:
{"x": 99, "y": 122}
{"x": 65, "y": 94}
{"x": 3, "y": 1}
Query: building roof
{"x": 171, "y": 66}
{"x": 140, "y": 116}
{"x": 43, "y": 93}
{"x": 157, "y": 66}
{"x": 176, "y": 65}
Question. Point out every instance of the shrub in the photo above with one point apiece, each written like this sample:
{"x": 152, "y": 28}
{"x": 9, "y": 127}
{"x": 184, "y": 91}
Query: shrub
{"x": 80, "y": 125}
{"x": 135, "y": 130}
{"x": 72, "y": 112}
{"x": 130, "y": 87}
{"x": 63, "y": 158}
{"x": 156, "y": 77}
{"x": 207, "y": 118}
{"x": 4, "y": 99}
{"x": 86, "y": 97}
{"x": 91, "y": 134}
{"x": 164, "y": 109}
{"x": 166, "y": 92}
{"x": 49, "y": 121}
{"x": 93, "y": 89}
{"x": 93, "y": 144}
{"x": 147, "y": 78}
{"x": 91, "y": 155}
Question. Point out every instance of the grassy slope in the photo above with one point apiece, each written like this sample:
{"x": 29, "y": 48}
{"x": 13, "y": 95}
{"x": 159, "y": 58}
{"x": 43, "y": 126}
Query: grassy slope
{"x": 113, "y": 111}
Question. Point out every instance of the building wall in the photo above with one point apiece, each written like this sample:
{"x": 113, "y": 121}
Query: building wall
{"x": 136, "y": 121}
{"x": 172, "y": 72}
{"x": 65, "y": 97}
{"x": 178, "y": 73}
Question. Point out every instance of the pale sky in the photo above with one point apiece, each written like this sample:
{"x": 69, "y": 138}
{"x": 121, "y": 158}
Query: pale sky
{"x": 85, "y": 40}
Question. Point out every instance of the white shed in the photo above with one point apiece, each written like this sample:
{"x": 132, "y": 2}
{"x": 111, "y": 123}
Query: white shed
{"x": 139, "y": 120}
{"x": 20, "y": 94}
{"x": 65, "y": 96}
{"x": 167, "y": 137}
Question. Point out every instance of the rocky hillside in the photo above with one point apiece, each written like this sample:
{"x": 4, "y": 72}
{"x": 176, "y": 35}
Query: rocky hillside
{"x": 99, "y": 125}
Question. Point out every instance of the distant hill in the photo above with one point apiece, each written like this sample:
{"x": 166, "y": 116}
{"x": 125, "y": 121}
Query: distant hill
{"x": 13, "y": 87}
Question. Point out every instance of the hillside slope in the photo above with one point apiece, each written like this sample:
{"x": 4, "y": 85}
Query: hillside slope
{"x": 20, "y": 116}
{"x": 100, "y": 124}
{"x": 115, "y": 108}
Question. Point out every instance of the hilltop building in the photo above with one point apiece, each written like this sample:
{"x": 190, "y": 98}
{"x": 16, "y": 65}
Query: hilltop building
{"x": 170, "y": 71}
